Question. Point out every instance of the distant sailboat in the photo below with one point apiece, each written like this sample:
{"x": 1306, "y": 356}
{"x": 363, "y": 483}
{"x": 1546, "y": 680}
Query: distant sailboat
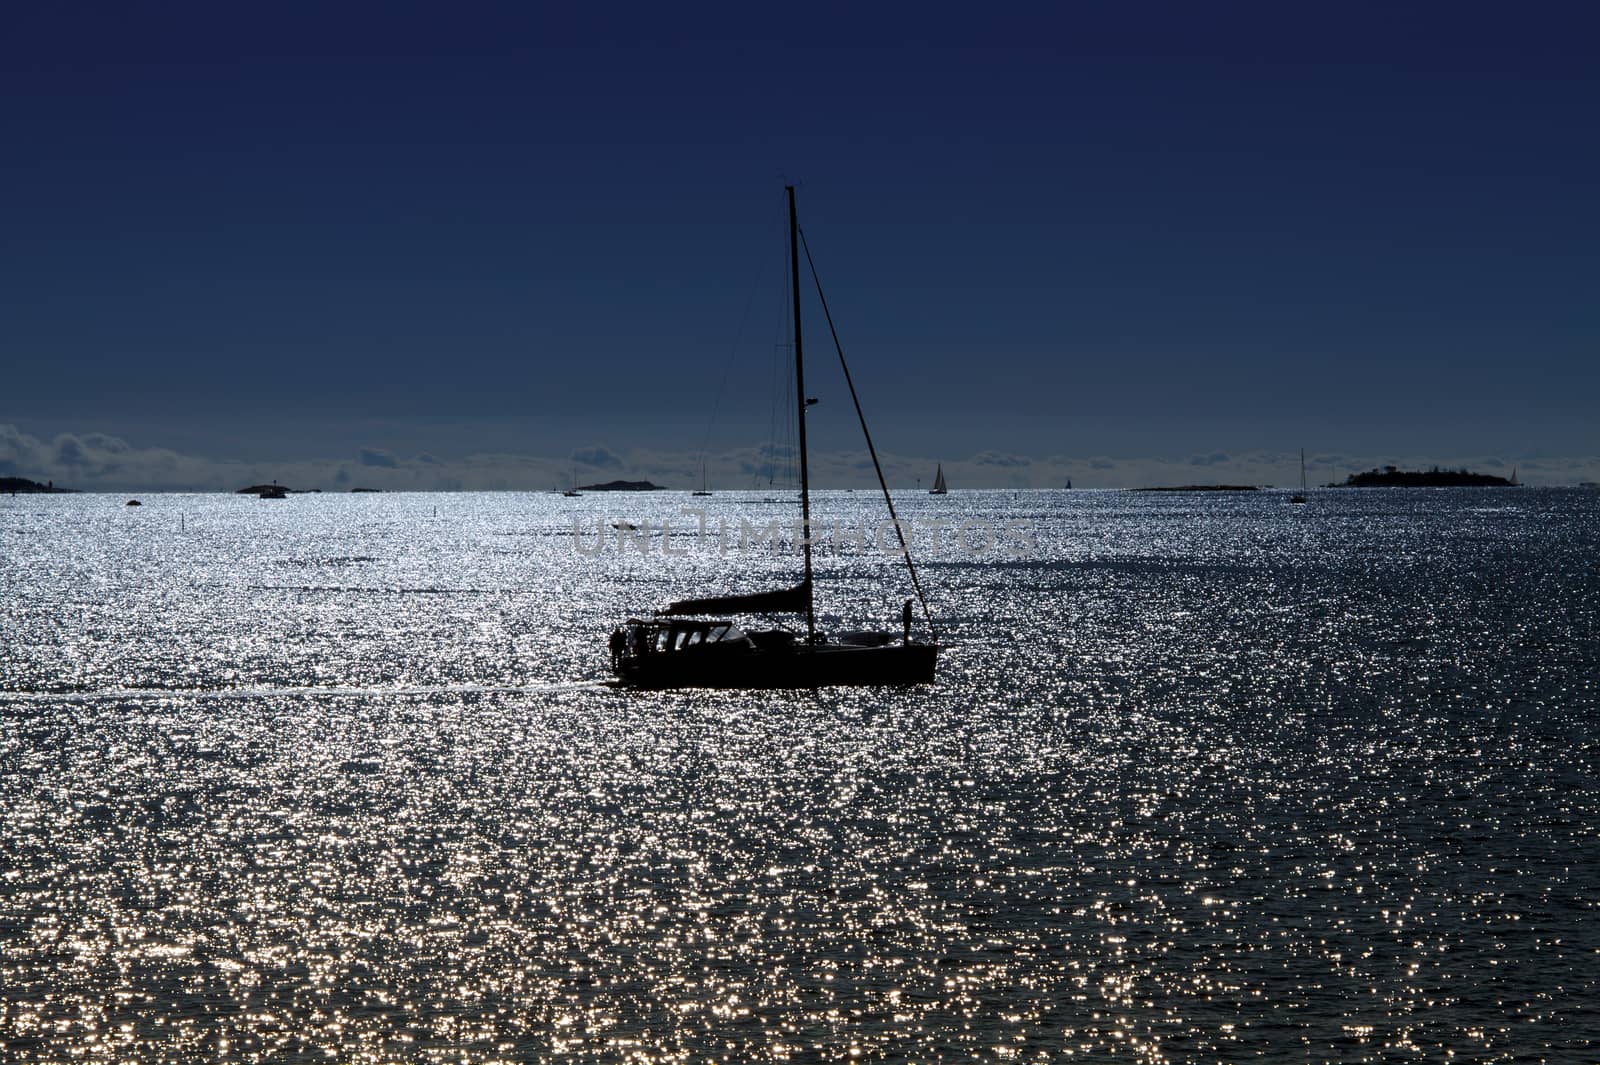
{"x": 704, "y": 491}
{"x": 573, "y": 493}
{"x": 1069, "y": 484}
{"x": 938, "y": 488}
{"x": 1300, "y": 496}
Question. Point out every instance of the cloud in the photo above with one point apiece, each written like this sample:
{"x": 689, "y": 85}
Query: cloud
{"x": 113, "y": 445}
{"x": 18, "y": 453}
{"x": 376, "y": 456}
{"x": 995, "y": 458}
{"x": 95, "y": 456}
{"x": 598, "y": 456}
{"x": 97, "y": 461}
{"x": 70, "y": 452}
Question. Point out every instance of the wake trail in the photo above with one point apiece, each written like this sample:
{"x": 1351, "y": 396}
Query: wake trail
{"x": 301, "y": 692}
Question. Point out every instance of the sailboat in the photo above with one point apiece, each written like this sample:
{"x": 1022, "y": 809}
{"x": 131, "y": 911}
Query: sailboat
{"x": 938, "y": 488}
{"x": 703, "y": 490}
{"x": 573, "y": 493}
{"x": 1300, "y": 496}
{"x": 697, "y": 643}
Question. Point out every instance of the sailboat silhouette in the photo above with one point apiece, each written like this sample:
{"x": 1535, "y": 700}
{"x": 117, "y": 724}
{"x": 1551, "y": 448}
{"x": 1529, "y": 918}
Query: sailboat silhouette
{"x": 697, "y": 643}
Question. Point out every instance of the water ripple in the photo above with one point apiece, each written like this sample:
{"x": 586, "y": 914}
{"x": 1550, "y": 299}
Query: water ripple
{"x": 1202, "y": 780}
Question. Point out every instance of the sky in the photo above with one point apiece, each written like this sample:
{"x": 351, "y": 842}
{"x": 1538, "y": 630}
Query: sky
{"x": 496, "y": 246}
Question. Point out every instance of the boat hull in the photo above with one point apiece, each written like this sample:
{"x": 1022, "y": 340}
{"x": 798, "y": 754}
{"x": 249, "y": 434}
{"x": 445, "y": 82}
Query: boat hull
{"x": 798, "y": 666}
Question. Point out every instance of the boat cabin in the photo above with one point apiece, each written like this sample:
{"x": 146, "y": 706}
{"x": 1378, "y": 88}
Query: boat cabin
{"x": 661, "y": 636}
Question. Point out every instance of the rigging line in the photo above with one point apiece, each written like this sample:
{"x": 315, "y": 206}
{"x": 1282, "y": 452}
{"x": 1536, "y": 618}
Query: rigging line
{"x": 911, "y": 566}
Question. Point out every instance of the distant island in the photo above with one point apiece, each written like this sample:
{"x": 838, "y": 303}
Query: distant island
{"x": 622, "y": 486}
{"x": 1391, "y": 477}
{"x": 1202, "y": 488}
{"x": 13, "y": 485}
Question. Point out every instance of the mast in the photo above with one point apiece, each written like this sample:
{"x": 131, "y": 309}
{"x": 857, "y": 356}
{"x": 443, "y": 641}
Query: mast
{"x": 1302, "y": 469}
{"x": 800, "y": 399}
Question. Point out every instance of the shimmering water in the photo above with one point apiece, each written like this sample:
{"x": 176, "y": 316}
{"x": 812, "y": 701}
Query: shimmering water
{"x": 1204, "y": 779}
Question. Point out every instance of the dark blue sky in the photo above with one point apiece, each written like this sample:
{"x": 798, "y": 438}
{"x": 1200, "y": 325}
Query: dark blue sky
{"x": 281, "y": 232}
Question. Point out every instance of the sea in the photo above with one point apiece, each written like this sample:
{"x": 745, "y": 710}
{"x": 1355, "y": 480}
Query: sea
{"x": 1204, "y": 777}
